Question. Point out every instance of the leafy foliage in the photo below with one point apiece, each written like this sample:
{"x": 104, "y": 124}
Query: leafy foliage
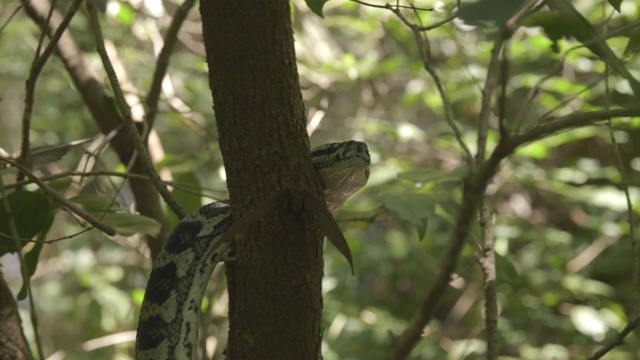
{"x": 23, "y": 215}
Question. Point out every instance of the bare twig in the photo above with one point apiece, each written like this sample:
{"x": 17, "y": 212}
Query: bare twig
{"x": 512, "y": 24}
{"x": 571, "y": 121}
{"x": 186, "y": 188}
{"x": 487, "y": 93}
{"x": 504, "y": 82}
{"x": 473, "y": 190}
{"x": 13, "y": 14}
{"x": 618, "y": 340}
{"x": 446, "y": 104}
{"x": 487, "y": 261}
{"x": 162, "y": 63}
{"x": 425, "y": 54}
{"x": 36, "y": 67}
{"x": 437, "y": 24}
{"x": 625, "y": 187}
{"x": 389, "y": 6}
{"x": 50, "y": 241}
{"x": 129, "y": 125}
{"x": 107, "y": 118}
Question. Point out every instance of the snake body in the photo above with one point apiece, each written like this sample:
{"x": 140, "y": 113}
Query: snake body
{"x": 168, "y": 324}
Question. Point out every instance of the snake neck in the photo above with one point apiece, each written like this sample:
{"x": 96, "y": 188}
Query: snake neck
{"x": 168, "y": 325}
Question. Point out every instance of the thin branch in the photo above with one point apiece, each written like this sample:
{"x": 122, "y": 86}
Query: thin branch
{"x": 504, "y": 82}
{"x": 195, "y": 190}
{"x": 571, "y": 121}
{"x": 473, "y": 190}
{"x": 625, "y": 186}
{"x": 162, "y": 63}
{"x": 50, "y": 241}
{"x": 107, "y": 118}
{"x": 446, "y": 104}
{"x": 618, "y": 340}
{"x": 573, "y": 96}
{"x": 36, "y": 68}
{"x": 129, "y": 125}
{"x": 389, "y": 6}
{"x": 425, "y": 54}
{"x": 438, "y": 23}
{"x": 487, "y": 93}
{"x": 487, "y": 261}
{"x": 107, "y": 229}
{"x": 512, "y": 23}
{"x": 10, "y": 18}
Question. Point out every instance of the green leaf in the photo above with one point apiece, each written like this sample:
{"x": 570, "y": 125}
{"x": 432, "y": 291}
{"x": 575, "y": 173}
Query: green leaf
{"x": 316, "y": 6}
{"x": 31, "y": 258}
{"x": 191, "y": 200}
{"x": 537, "y": 150}
{"x": 495, "y": 11}
{"x": 29, "y": 212}
{"x": 129, "y": 224}
{"x": 125, "y": 14}
{"x": 428, "y": 175}
{"x": 43, "y": 155}
{"x": 414, "y": 207}
{"x": 95, "y": 203}
{"x": 634, "y": 43}
{"x": 555, "y": 25}
{"x": 616, "y": 4}
{"x": 31, "y": 262}
{"x": 505, "y": 269}
{"x": 137, "y": 296}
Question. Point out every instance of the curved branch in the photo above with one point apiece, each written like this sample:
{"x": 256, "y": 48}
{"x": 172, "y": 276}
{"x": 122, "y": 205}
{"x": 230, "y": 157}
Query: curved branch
{"x": 571, "y": 121}
{"x": 618, "y": 340}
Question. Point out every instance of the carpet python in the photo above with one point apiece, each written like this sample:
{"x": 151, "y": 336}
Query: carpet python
{"x": 168, "y": 324}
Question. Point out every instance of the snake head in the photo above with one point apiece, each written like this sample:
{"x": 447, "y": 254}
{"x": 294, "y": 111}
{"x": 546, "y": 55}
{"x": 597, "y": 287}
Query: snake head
{"x": 343, "y": 169}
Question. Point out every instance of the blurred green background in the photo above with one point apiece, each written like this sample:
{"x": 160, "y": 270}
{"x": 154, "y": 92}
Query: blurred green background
{"x": 560, "y": 216}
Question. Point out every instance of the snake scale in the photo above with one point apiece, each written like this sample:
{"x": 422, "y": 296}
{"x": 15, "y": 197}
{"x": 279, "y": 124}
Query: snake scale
{"x": 168, "y": 327}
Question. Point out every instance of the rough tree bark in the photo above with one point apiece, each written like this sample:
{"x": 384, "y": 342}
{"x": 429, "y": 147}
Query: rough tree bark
{"x": 13, "y": 345}
{"x": 275, "y": 281}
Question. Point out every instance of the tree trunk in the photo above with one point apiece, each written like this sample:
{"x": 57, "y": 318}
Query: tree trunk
{"x": 13, "y": 345}
{"x": 275, "y": 280}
